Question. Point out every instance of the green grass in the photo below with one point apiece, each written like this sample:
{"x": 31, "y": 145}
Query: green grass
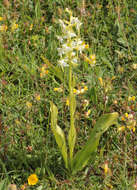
{"x": 27, "y": 144}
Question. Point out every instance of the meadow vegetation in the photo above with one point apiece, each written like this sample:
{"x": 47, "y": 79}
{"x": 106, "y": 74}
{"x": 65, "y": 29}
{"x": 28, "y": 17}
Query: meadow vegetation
{"x": 57, "y": 78}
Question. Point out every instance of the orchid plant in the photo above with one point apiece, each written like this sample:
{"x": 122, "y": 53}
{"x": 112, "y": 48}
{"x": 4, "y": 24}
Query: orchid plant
{"x": 71, "y": 47}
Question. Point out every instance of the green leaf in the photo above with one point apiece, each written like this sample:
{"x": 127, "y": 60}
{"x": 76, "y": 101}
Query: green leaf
{"x": 4, "y": 184}
{"x": 58, "y": 133}
{"x": 82, "y": 157}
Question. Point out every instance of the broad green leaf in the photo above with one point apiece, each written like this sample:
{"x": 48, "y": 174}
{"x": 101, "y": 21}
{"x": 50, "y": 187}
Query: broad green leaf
{"x": 72, "y": 131}
{"x": 58, "y": 133}
{"x": 81, "y": 158}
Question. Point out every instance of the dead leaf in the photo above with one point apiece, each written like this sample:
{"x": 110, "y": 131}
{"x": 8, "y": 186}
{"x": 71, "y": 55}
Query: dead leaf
{"x": 6, "y": 3}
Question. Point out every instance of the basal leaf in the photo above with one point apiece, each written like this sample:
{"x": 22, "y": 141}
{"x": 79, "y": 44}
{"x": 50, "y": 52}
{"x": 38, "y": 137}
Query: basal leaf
{"x": 58, "y": 133}
{"x": 81, "y": 158}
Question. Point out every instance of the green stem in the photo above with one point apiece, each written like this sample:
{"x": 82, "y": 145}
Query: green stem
{"x": 72, "y": 127}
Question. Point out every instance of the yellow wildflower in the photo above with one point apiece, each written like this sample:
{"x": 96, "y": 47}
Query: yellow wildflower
{"x": 67, "y": 102}
{"x": 44, "y": 70}
{"x": 3, "y": 28}
{"x": 41, "y": 75}
{"x": 131, "y": 127}
{"x": 109, "y": 185}
{"x": 37, "y": 97}
{"x": 126, "y": 115}
{"x": 85, "y": 88}
{"x": 122, "y": 118}
{"x": 122, "y": 128}
{"x": 87, "y": 113}
{"x": 29, "y": 104}
{"x": 74, "y": 91}
{"x": 131, "y": 98}
{"x": 1, "y": 18}
{"x": 58, "y": 89}
{"x": 101, "y": 81}
{"x": 32, "y": 179}
{"x": 31, "y": 26}
{"x": 14, "y": 26}
{"x": 86, "y": 46}
{"x": 86, "y": 59}
{"x": 93, "y": 59}
{"x": 23, "y": 187}
{"x": 107, "y": 170}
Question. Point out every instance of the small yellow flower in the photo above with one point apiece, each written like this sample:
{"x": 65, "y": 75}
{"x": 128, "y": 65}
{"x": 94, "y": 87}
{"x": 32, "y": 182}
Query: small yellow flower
{"x": 109, "y": 185}
{"x": 131, "y": 98}
{"x": 106, "y": 168}
{"x": 29, "y": 104}
{"x": 32, "y": 179}
{"x": 1, "y": 18}
{"x": 31, "y": 26}
{"x": 43, "y": 70}
{"x": 101, "y": 81}
{"x": 58, "y": 89}
{"x": 74, "y": 91}
{"x": 46, "y": 72}
{"x": 131, "y": 127}
{"x": 14, "y": 26}
{"x": 85, "y": 88}
{"x": 23, "y": 187}
{"x": 122, "y": 128}
{"x": 93, "y": 59}
{"x": 126, "y": 115}
{"x": 3, "y": 28}
{"x": 122, "y": 118}
{"x": 37, "y": 97}
{"x": 86, "y": 46}
{"x": 87, "y": 113}
{"x": 67, "y": 102}
{"x": 41, "y": 75}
